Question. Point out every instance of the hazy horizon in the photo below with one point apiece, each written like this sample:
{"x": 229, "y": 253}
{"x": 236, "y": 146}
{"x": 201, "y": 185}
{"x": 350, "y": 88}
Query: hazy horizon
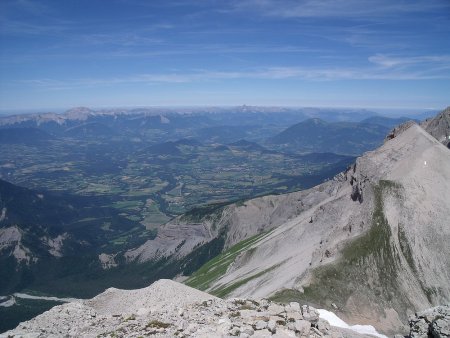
{"x": 418, "y": 113}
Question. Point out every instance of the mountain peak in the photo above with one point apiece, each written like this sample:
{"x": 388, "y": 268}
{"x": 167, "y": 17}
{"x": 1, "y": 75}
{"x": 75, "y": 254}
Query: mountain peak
{"x": 78, "y": 113}
{"x": 79, "y": 110}
{"x": 316, "y": 135}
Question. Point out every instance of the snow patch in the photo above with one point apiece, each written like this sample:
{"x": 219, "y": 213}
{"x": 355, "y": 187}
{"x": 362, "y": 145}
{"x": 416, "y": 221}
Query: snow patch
{"x": 338, "y": 322}
{"x": 10, "y": 302}
{"x": 55, "y": 299}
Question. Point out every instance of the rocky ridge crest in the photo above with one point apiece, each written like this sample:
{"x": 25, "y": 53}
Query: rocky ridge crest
{"x": 169, "y": 309}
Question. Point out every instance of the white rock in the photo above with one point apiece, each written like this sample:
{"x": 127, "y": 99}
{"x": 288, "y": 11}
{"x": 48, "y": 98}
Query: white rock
{"x": 302, "y": 327}
{"x": 294, "y": 306}
{"x": 283, "y": 333}
{"x": 275, "y": 309}
{"x": 260, "y": 325}
{"x": 248, "y": 330}
{"x": 292, "y": 316}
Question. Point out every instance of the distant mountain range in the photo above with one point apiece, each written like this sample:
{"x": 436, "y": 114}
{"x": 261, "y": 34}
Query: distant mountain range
{"x": 387, "y": 121}
{"x": 304, "y": 129}
{"x": 316, "y": 135}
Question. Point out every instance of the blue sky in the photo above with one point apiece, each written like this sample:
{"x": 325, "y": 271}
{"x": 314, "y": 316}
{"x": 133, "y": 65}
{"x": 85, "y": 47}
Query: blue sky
{"x": 353, "y": 53}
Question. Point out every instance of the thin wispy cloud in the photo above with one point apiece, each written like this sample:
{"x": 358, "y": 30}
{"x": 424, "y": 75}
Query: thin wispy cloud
{"x": 393, "y": 71}
{"x": 336, "y": 8}
{"x": 331, "y": 74}
{"x": 121, "y": 39}
{"x": 135, "y": 47}
{"x": 433, "y": 61}
{"x": 222, "y": 49}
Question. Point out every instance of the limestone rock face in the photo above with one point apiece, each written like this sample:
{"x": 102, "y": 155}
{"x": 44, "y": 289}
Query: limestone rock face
{"x": 11, "y": 244}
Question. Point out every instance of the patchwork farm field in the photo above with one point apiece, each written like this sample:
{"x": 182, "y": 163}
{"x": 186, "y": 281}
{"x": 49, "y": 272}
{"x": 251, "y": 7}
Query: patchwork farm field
{"x": 151, "y": 183}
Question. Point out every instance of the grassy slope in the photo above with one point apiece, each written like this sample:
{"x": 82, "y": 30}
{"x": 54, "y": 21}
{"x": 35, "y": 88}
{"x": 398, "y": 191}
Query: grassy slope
{"x": 203, "y": 278}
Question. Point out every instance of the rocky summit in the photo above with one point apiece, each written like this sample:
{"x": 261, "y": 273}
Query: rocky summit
{"x": 170, "y": 309}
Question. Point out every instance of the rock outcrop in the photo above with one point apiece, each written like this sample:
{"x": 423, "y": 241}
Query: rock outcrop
{"x": 434, "y": 322}
{"x": 169, "y": 309}
{"x": 11, "y": 245}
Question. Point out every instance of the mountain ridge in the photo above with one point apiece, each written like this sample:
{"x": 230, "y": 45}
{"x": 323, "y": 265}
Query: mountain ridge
{"x": 167, "y": 308}
{"x": 411, "y": 168}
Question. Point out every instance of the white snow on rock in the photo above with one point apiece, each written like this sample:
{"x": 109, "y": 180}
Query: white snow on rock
{"x": 338, "y": 322}
{"x": 54, "y": 299}
{"x": 9, "y": 302}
